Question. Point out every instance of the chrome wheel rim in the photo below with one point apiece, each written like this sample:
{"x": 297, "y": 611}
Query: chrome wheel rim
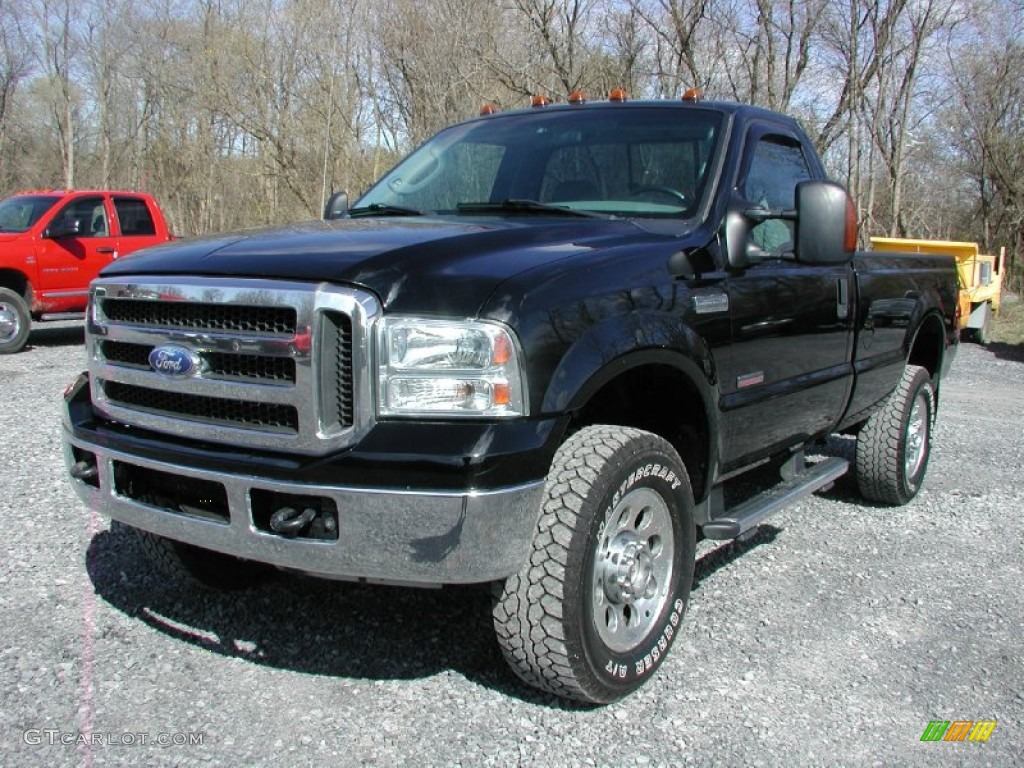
{"x": 10, "y": 322}
{"x": 917, "y": 436}
{"x": 633, "y": 569}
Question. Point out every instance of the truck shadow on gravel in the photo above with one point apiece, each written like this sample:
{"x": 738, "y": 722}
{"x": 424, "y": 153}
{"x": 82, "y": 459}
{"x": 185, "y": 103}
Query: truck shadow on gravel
{"x": 63, "y": 336}
{"x": 1003, "y": 351}
{"x": 314, "y": 626}
{"x": 332, "y": 628}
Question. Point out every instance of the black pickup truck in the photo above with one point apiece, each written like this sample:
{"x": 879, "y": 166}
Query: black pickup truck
{"x": 533, "y": 355}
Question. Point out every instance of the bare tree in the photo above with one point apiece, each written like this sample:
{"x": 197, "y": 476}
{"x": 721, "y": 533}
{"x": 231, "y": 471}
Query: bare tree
{"x": 678, "y": 27}
{"x": 774, "y": 40}
{"x": 15, "y": 65}
{"x": 893, "y": 102}
{"x": 987, "y": 128}
{"x": 58, "y": 44}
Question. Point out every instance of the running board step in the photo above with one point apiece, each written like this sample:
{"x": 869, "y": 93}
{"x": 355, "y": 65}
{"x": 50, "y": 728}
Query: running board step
{"x": 750, "y": 513}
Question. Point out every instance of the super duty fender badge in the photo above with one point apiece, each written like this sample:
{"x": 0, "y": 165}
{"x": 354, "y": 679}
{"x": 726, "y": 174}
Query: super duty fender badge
{"x": 711, "y": 302}
{"x": 173, "y": 361}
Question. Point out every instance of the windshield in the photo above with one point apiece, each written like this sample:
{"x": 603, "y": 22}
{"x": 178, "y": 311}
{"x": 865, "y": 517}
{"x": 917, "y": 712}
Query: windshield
{"x": 630, "y": 161}
{"x": 19, "y": 213}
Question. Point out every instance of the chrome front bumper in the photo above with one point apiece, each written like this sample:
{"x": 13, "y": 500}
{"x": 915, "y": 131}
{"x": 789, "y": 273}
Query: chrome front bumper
{"x": 402, "y": 536}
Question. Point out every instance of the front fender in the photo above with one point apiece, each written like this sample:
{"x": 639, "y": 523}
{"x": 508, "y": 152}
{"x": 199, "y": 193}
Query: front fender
{"x": 614, "y": 346}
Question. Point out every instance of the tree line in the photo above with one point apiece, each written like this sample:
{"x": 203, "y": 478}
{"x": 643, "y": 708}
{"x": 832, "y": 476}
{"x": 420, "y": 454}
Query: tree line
{"x": 238, "y": 113}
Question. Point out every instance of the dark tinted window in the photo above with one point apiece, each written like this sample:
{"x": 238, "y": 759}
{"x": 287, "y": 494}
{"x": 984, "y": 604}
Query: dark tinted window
{"x": 134, "y": 216}
{"x": 89, "y": 212}
{"x": 776, "y": 167}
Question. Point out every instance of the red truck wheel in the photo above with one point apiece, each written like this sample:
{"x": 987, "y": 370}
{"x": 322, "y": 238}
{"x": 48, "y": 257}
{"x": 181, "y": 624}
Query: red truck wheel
{"x": 595, "y": 610}
{"x": 15, "y": 322}
{"x": 894, "y": 445}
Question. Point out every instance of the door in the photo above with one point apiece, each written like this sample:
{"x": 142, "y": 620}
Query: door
{"x": 786, "y": 375}
{"x": 135, "y": 224}
{"x": 76, "y": 244}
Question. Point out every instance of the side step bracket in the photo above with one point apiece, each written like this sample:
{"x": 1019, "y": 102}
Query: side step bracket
{"x": 750, "y": 513}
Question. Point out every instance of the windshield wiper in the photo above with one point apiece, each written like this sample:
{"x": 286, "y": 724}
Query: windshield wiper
{"x": 384, "y": 209}
{"x": 523, "y": 206}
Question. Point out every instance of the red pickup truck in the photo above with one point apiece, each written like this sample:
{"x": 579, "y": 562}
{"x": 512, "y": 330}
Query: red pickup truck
{"x": 54, "y": 242}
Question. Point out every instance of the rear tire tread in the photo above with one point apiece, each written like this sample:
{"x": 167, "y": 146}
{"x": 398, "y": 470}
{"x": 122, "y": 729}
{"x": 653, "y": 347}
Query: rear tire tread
{"x": 881, "y": 442}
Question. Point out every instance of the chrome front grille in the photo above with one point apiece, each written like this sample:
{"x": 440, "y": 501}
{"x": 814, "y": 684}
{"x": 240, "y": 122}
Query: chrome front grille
{"x": 336, "y": 371}
{"x": 208, "y": 410}
{"x": 263, "y": 364}
{"x": 219, "y": 365}
{"x": 171, "y": 313}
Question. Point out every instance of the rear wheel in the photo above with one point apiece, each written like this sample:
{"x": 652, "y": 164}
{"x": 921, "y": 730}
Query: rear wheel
{"x": 894, "y": 445}
{"x": 15, "y": 322}
{"x": 178, "y": 560}
{"x": 597, "y": 607}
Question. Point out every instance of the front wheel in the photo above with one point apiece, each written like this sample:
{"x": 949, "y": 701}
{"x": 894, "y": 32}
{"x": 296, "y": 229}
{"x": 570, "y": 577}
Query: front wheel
{"x": 597, "y": 607}
{"x": 894, "y": 445}
{"x": 15, "y": 322}
{"x": 190, "y": 564}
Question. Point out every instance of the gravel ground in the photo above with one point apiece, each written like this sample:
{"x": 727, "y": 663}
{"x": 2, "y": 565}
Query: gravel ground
{"x": 831, "y": 638}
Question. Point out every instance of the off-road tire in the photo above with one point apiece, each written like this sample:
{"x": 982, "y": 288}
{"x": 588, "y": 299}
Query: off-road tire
{"x": 185, "y": 562}
{"x": 14, "y": 339}
{"x": 617, "y": 516}
{"x": 894, "y": 445}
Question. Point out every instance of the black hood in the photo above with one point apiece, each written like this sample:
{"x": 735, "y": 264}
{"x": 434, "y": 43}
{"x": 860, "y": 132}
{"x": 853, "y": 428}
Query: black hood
{"x": 445, "y": 267}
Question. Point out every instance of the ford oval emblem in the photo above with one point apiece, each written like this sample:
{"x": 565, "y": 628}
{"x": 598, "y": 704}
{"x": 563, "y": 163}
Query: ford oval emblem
{"x": 177, "y": 362}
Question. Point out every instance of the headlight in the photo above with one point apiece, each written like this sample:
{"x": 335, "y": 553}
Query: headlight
{"x": 437, "y": 367}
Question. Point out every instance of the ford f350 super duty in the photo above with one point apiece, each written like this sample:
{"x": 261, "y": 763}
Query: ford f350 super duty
{"x": 532, "y": 355}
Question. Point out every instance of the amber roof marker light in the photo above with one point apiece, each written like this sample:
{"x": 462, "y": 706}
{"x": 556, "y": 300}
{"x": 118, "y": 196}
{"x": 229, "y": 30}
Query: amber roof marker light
{"x": 577, "y": 97}
{"x": 540, "y": 100}
{"x": 488, "y": 109}
{"x": 691, "y": 94}
{"x": 618, "y": 95}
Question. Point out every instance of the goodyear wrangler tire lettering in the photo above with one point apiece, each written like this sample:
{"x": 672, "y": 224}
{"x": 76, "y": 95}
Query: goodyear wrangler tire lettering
{"x": 597, "y": 607}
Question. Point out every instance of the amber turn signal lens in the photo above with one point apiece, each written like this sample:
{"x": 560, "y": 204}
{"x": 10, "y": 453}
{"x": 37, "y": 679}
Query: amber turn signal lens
{"x": 500, "y": 394}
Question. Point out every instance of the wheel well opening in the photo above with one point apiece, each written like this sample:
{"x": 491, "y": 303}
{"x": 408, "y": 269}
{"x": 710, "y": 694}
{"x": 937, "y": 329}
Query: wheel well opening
{"x": 14, "y": 281}
{"x": 927, "y": 349}
{"x": 658, "y": 399}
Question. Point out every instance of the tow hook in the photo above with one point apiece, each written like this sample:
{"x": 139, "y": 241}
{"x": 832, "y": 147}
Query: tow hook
{"x": 84, "y": 470}
{"x": 288, "y": 521}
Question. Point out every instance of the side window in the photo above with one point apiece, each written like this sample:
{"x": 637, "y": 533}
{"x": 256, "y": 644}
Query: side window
{"x": 777, "y": 165}
{"x": 134, "y": 217}
{"x": 91, "y": 215}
